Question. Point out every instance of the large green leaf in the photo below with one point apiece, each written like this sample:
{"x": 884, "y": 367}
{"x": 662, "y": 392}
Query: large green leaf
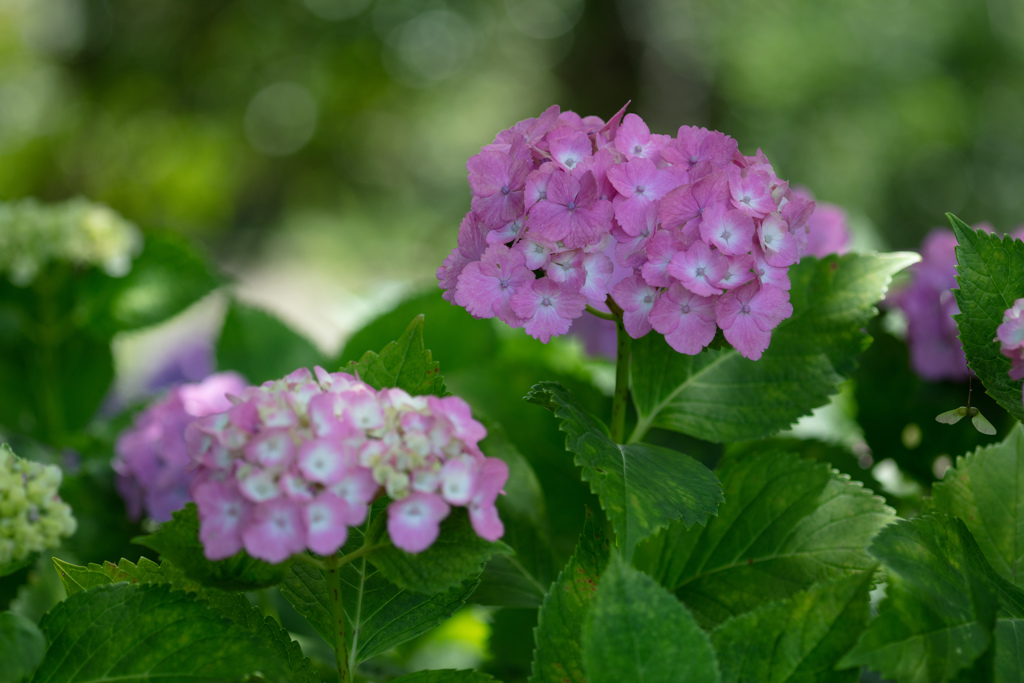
{"x": 404, "y": 363}
{"x": 991, "y": 278}
{"x": 444, "y": 676}
{"x": 261, "y": 347}
{"x": 786, "y": 524}
{"x": 519, "y": 580}
{"x": 231, "y": 604}
{"x": 718, "y": 395}
{"x": 558, "y": 657}
{"x": 800, "y": 639}
{"x": 137, "y": 632}
{"x": 178, "y": 541}
{"x": 458, "y": 554}
{"x": 1009, "y": 655}
{"x": 635, "y": 631}
{"x": 942, "y": 599}
{"x": 986, "y": 491}
{"x": 641, "y": 487}
{"x": 379, "y": 614}
{"x": 22, "y": 645}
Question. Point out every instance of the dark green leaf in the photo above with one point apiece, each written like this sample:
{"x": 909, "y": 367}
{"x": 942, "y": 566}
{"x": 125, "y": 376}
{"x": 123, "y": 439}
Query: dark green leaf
{"x": 941, "y": 605}
{"x": 145, "y": 633}
{"x": 178, "y": 541}
{"x": 231, "y": 604}
{"x": 1009, "y": 655}
{"x": 641, "y": 487}
{"x": 444, "y": 676}
{"x": 801, "y": 638}
{"x": 636, "y": 631}
{"x": 718, "y": 395}
{"x": 986, "y": 491}
{"x": 260, "y": 346}
{"x": 22, "y": 645}
{"x": 991, "y": 278}
{"x": 519, "y": 580}
{"x": 786, "y": 524}
{"x": 458, "y": 554}
{"x": 403, "y": 363}
{"x": 379, "y": 614}
{"x": 558, "y": 656}
{"x": 168, "y": 276}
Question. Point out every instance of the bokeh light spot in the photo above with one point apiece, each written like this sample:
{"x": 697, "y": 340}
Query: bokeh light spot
{"x": 281, "y": 119}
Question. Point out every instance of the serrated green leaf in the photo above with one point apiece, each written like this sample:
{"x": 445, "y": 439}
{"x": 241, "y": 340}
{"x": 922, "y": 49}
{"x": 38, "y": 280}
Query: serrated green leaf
{"x": 986, "y": 491}
{"x": 801, "y": 638}
{"x": 22, "y": 645}
{"x": 379, "y": 615}
{"x": 942, "y": 599}
{"x": 404, "y": 363}
{"x": 231, "y": 604}
{"x": 786, "y": 524}
{"x": 444, "y": 676}
{"x": 260, "y": 346}
{"x": 519, "y": 580}
{"x": 719, "y": 396}
{"x": 636, "y": 631}
{"x": 991, "y": 278}
{"x": 641, "y": 487}
{"x": 558, "y": 656}
{"x": 178, "y": 541}
{"x": 168, "y": 276}
{"x": 141, "y": 632}
{"x": 458, "y": 554}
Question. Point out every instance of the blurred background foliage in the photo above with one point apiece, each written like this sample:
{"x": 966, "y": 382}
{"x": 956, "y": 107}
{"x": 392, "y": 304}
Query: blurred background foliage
{"x": 318, "y": 147}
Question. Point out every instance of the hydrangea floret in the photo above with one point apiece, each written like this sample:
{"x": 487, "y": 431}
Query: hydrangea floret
{"x": 1010, "y": 335}
{"x": 297, "y": 461}
{"x": 683, "y": 234}
{"x": 152, "y": 463}
{"x": 32, "y": 515}
{"x": 77, "y": 231}
{"x": 929, "y": 304}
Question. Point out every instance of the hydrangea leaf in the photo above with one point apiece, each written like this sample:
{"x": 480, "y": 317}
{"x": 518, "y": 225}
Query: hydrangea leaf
{"x": 140, "y": 632}
{"x": 379, "y": 614}
{"x": 1009, "y": 655}
{"x": 168, "y": 276}
{"x": 786, "y": 524}
{"x": 641, "y": 487}
{"x": 519, "y": 580}
{"x": 991, "y": 278}
{"x": 23, "y": 646}
{"x": 458, "y": 554}
{"x": 178, "y": 541}
{"x": 231, "y": 604}
{"x": 260, "y": 346}
{"x": 404, "y": 363}
{"x": 636, "y": 631}
{"x": 801, "y": 638}
{"x": 444, "y": 676}
{"x": 986, "y": 491}
{"x": 719, "y": 396}
{"x": 942, "y": 599}
{"x": 558, "y": 656}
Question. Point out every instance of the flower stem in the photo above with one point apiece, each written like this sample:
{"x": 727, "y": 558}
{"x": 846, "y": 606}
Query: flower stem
{"x": 621, "y": 396}
{"x": 332, "y": 567}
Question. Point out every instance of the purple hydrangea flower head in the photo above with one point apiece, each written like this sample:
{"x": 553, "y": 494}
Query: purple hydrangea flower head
{"x": 151, "y": 458}
{"x": 292, "y": 464}
{"x": 1010, "y": 335}
{"x": 612, "y": 213}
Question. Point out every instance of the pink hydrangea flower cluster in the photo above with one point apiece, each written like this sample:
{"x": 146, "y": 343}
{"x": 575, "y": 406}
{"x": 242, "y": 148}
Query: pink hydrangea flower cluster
{"x": 828, "y": 228}
{"x": 151, "y": 461}
{"x": 1010, "y": 335}
{"x": 685, "y": 234}
{"x": 928, "y": 302}
{"x": 295, "y": 462}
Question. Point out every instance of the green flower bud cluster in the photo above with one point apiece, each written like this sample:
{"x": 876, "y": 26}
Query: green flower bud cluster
{"x": 76, "y": 231}
{"x": 32, "y": 515}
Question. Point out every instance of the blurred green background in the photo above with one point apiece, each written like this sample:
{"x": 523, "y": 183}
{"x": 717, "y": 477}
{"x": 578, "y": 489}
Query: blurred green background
{"x": 318, "y": 147}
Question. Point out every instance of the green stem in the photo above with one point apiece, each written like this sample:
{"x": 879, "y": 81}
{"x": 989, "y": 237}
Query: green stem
{"x": 621, "y": 396}
{"x": 332, "y": 567}
{"x": 600, "y": 314}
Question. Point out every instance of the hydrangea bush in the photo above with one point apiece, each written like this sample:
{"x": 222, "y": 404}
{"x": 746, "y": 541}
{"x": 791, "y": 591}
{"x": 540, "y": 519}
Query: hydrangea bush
{"x": 703, "y": 504}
